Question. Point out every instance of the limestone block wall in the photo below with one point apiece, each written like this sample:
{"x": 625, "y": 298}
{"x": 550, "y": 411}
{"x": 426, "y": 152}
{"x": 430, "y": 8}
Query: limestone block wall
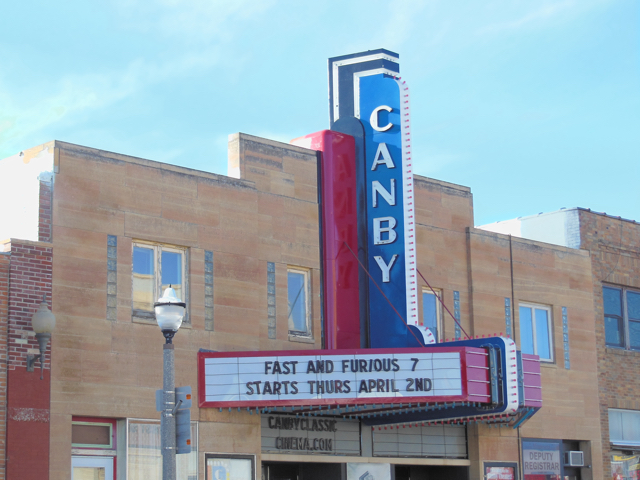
{"x": 443, "y": 213}
{"x": 504, "y": 267}
{"x": 102, "y": 203}
{"x": 493, "y": 273}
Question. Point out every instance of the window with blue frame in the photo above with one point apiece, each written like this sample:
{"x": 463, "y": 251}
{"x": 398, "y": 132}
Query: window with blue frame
{"x": 621, "y": 317}
{"x": 536, "y": 332}
{"x": 154, "y": 268}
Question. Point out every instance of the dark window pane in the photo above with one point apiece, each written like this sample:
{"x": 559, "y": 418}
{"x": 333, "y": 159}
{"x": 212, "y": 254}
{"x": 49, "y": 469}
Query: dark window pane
{"x": 633, "y": 305}
{"x": 430, "y": 313}
{"x": 526, "y": 330}
{"x": 613, "y": 331}
{"x": 297, "y": 302}
{"x": 612, "y": 299}
{"x": 542, "y": 334}
{"x": 91, "y": 435}
{"x": 172, "y": 272}
{"x": 634, "y": 334}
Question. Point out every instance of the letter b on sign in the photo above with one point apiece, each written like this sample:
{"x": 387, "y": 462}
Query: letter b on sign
{"x": 378, "y": 230}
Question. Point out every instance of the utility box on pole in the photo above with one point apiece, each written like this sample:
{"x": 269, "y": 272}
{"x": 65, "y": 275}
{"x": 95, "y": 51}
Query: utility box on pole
{"x": 183, "y": 420}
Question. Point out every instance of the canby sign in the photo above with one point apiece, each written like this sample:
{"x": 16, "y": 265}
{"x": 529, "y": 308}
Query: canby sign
{"x": 365, "y": 87}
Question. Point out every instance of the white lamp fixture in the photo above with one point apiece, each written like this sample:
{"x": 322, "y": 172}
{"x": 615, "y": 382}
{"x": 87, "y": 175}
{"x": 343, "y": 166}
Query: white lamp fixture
{"x": 43, "y": 322}
{"x": 169, "y": 313}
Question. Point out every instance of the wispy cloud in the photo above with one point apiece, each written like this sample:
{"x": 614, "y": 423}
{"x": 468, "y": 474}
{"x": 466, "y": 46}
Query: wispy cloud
{"x": 538, "y": 16}
{"x": 72, "y": 94}
{"x": 189, "y": 20}
{"x": 204, "y": 25}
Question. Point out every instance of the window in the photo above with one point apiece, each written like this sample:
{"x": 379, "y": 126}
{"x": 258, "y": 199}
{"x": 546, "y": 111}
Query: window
{"x": 535, "y": 331}
{"x": 94, "y": 447}
{"x": 92, "y": 435}
{"x": 229, "y": 467}
{"x": 621, "y": 317}
{"x": 624, "y": 427}
{"x": 541, "y": 459}
{"x": 144, "y": 455}
{"x": 156, "y": 267}
{"x": 625, "y": 466}
{"x": 431, "y": 312}
{"x": 299, "y": 311}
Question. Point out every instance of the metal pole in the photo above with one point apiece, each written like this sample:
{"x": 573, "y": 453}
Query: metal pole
{"x": 168, "y": 425}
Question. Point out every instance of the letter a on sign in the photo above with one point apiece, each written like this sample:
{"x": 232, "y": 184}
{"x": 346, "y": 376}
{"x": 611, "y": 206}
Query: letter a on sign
{"x": 382, "y": 157}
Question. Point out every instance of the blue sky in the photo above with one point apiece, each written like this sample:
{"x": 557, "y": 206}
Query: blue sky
{"x": 534, "y": 104}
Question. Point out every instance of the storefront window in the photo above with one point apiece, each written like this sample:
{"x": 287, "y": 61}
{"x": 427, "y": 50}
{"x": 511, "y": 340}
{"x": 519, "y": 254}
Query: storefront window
{"x": 229, "y": 467}
{"x": 500, "y": 471}
{"x": 368, "y": 471}
{"x": 625, "y": 467}
{"x": 541, "y": 460}
{"x": 144, "y": 456}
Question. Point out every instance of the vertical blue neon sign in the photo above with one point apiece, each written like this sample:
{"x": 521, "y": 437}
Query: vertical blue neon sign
{"x": 368, "y": 101}
{"x": 380, "y": 110}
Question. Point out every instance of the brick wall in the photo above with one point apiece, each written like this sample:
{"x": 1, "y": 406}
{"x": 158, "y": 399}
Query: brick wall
{"x": 614, "y": 245}
{"x": 4, "y": 318}
{"x": 28, "y": 397}
{"x": 30, "y": 278}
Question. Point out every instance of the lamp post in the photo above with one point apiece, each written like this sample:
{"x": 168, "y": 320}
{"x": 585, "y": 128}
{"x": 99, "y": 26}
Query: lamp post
{"x": 169, "y": 313}
{"x": 43, "y": 323}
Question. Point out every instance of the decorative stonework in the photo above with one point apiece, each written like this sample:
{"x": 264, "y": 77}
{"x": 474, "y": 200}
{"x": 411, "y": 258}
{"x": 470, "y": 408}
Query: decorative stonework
{"x": 507, "y": 317}
{"x": 112, "y": 278}
{"x": 208, "y": 291}
{"x": 456, "y": 314}
{"x": 271, "y": 299}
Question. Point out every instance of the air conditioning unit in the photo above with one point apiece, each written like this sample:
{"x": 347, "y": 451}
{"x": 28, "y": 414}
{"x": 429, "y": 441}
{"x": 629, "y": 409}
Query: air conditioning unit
{"x": 574, "y": 459}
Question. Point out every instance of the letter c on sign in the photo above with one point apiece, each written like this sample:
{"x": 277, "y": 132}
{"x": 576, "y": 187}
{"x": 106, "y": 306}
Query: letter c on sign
{"x": 374, "y": 119}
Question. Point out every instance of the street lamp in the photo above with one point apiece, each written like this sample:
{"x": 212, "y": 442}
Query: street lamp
{"x": 169, "y": 314}
{"x": 43, "y": 323}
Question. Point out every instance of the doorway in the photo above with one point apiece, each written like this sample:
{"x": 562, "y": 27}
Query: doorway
{"x": 92, "y": 468}
{"x": 301, "y": 471}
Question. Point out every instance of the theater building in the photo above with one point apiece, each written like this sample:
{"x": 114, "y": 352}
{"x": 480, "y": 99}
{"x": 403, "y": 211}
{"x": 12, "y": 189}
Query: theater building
{"x": 345, "y": 319}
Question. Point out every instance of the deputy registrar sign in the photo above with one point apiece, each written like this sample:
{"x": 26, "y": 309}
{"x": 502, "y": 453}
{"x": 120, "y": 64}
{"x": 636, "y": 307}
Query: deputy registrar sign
{"x": 340, "y": 377}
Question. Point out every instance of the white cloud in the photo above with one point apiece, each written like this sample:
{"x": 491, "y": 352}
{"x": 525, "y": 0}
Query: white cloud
{"x": 208, "y": 23}
{"x": 189, "y": 20}
{"x": 539, "y": 15}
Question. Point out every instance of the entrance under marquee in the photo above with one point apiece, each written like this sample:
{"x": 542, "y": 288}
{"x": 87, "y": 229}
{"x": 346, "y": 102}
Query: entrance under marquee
{"x": 360, "y": 471}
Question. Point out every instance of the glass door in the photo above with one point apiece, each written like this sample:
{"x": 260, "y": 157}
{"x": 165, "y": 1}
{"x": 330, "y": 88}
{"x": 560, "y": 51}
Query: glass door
{"x": 91, "y": 468}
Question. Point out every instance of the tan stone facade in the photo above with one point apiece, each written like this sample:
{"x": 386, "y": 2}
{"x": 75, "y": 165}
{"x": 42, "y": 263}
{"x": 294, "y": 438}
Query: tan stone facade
{"x": 108, "y": 365}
